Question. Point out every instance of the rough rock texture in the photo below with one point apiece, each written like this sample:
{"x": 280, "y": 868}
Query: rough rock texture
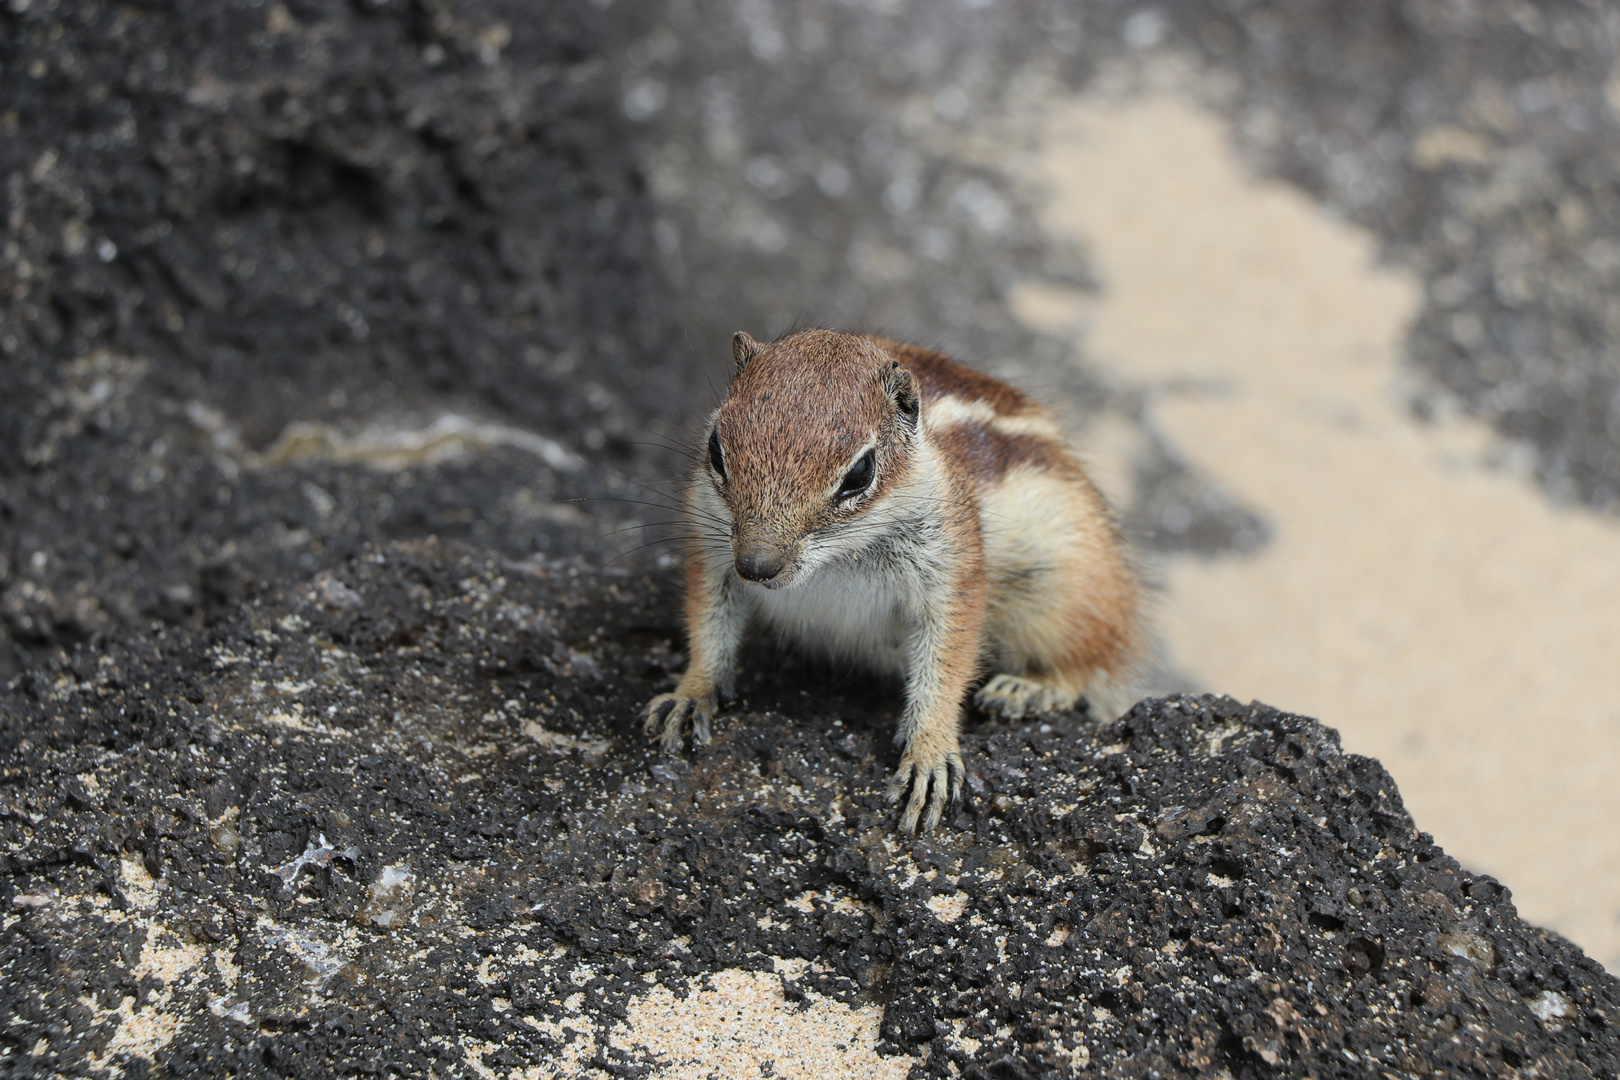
{"x": 241, "y": 237}
{"x": 287, "y": 789}
{"x": 198, "y": 844}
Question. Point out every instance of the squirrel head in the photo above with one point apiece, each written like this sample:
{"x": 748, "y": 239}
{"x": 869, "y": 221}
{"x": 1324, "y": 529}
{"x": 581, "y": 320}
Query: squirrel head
{"x": 815, "y": 433}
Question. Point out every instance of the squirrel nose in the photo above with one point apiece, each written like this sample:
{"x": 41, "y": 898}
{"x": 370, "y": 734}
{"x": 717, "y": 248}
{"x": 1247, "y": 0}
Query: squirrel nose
{"x": 759, "y": 561}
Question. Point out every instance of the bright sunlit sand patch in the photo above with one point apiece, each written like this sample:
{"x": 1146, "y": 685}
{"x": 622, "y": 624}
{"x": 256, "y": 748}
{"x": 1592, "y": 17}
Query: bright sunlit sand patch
{"x": 741, "y": 1020}
{"x": 1440, "y": 613}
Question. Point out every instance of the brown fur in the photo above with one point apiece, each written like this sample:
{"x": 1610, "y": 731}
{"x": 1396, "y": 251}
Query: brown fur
{"x": 800, "y": 441}
{"x": 1015, "y": 560}
{"x": 941, "y": 376}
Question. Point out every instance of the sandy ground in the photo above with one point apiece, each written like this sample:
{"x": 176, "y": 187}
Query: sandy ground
{"x": 1419, "y": 593}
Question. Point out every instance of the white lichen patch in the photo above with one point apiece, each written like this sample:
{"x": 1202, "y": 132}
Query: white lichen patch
{"x": 229, "y": 1007}
{"x": 1551, "y": 1008}
{"x": 323, "y": 959}
{"x": 522, "y": 954}
{"x": 1470, "y": 946}
{"x": 905, "y": 871}
{"x": 388, "y": 901}
{"x": 741, "y": 1020}
{"x": 317, "y": 852}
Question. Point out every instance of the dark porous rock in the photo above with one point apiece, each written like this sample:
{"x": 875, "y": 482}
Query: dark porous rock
{"x": 277, "y": 280}
{"x": 399, "y": 818}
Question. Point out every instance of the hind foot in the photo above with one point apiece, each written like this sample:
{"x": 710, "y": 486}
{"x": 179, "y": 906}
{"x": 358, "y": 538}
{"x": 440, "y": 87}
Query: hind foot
{"x": 1014, "y": 697}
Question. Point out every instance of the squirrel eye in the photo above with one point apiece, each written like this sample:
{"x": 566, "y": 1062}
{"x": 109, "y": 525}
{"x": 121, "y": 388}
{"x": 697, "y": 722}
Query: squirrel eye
{"x": 858, "y": 479}
{"x": 717, "y": 460}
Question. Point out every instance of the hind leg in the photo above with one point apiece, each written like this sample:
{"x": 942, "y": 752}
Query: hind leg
{"x": 1063, "y": 619}
{"x": 1013, "y": 697}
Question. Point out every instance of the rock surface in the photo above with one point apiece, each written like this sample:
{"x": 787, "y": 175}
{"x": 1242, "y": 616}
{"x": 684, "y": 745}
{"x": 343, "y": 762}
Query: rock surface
{"x": 397, "y": 818}
{"x": 280, "y": 280}
{"x": 291, "y": 789}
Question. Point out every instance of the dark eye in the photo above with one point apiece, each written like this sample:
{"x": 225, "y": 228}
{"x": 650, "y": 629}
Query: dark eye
{"x": 717, "y": 461}
{"x": 858, "y": 479}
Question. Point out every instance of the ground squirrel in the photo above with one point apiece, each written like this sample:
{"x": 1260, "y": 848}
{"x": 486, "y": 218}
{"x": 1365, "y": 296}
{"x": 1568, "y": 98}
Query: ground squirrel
{"x": 880, "y": 504}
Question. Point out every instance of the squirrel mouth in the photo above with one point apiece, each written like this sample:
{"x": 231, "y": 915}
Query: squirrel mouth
{"x": 780, "y": 580}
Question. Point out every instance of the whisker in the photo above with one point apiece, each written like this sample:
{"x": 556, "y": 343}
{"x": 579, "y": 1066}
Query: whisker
{"x": 621, "y": 530}
{"x": 638, "y": 548}
{"x": 706, "y": 515}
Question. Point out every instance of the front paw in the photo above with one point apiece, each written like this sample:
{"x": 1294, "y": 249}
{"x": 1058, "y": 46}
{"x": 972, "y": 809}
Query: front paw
{"x": 934, "y": 776}
{"x": 666, "y": 716}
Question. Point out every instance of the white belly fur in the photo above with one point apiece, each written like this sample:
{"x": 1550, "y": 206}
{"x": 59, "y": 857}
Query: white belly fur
{"x": 841, "y": 614}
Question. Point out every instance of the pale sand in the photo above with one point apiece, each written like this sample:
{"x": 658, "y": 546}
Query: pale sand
{"x": 728, "y": 1024}
{"x": 145, "y": 1032}
{"x": 1441, "y": 614}
{"x": 742, "y": 1019}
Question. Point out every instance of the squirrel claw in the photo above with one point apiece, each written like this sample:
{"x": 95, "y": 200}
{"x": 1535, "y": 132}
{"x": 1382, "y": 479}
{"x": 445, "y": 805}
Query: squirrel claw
{"x": 934, "y": 786}
{"x": 666, "y": 716}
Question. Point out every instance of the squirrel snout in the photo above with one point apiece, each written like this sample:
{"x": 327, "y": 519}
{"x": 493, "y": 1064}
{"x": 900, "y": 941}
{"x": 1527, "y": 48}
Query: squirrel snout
{"x": 759, "y": 560}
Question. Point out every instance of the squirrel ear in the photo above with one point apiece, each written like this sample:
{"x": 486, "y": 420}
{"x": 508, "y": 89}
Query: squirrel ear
{"x": 743, "y": 348}
{"x": 902, "y": 386}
